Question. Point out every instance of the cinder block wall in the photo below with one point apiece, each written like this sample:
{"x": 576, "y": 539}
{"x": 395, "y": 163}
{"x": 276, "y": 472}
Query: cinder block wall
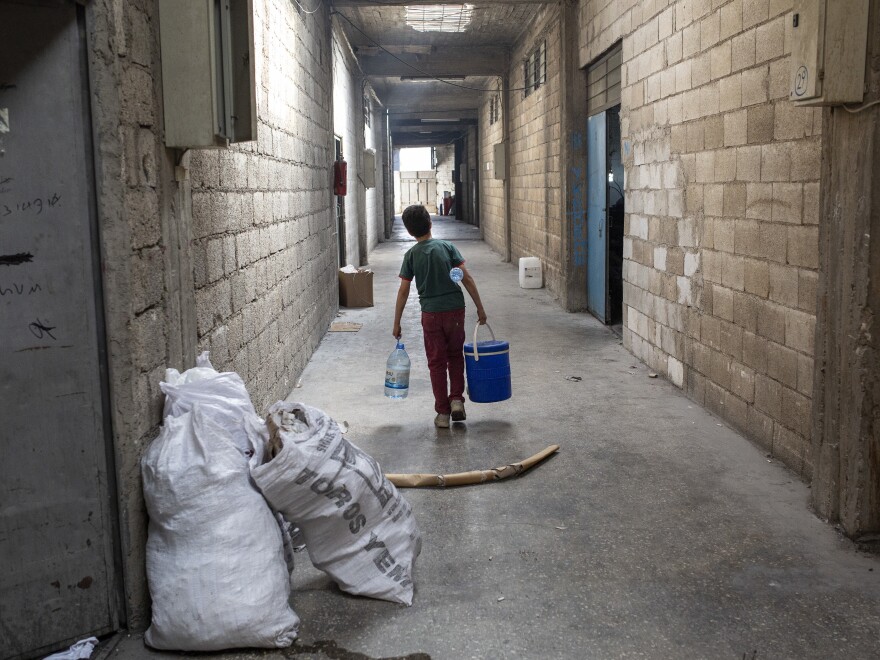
{"x": 722, "y": 201}
{"x": 491, "y": 189}
{"x": 251, "y": 278}
{"x": 264, "y": 247}
{"x": 535, "y": 180}
{"x": 143, "y": 293}
{"x": 445, "y": 166}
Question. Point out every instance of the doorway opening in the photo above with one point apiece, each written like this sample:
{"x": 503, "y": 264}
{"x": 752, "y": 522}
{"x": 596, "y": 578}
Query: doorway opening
{"x": 605, "y": 190}
{"x": 423, "y": 176}
{"x": 615, "y": 199}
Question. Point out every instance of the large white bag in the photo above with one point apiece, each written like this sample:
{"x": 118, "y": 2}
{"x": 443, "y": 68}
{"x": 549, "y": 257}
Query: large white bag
{"x": 358, "y": 528}
{"x": 215, "y": 566}
{"x": 223, "y": 397}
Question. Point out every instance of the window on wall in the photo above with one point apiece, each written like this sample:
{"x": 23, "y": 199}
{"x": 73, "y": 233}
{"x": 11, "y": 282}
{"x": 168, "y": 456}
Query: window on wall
{"x": 603, "y": 81}
{"x": 367, "y": 111}
{"x": 494, "y": 109}
{"x": 535, "y": 68}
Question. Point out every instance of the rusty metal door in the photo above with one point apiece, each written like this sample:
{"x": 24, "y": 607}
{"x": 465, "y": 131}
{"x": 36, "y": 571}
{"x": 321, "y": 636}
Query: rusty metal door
{"x": 58, "y": 578}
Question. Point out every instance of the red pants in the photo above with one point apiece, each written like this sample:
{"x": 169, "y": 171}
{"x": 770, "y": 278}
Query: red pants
{"x": 444, "y": 338}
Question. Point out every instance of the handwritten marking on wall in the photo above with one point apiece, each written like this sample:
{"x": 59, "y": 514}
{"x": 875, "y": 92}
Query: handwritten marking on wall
{"x": 16, "y": 259}
{"x": 4, "y": 120}
{"x": 39, "y": 329}
{"x": 18, "y": 289}
{"x": 36, "y": 205}
{"x": 43, "y": 348}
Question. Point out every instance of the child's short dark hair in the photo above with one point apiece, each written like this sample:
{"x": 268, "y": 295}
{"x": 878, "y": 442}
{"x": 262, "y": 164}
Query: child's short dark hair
{"x": 417, "y": 220}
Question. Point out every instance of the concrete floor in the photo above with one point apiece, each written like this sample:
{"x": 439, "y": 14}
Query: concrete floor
{"x": 656, "y": 532}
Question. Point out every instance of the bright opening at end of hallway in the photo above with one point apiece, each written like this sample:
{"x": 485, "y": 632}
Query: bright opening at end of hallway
{"x": 416, "y": 159}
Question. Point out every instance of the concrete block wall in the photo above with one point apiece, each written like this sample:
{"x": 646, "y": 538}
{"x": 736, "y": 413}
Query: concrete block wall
{"x": 445, "y": 167}
{"x": 264, "y": 247}
{"x": 146, "y": 294}
{"x": 536, "y": 207}
{"x": 722, "y": 201}
{"x": 249, "y": 274}
{"x": 491, "y": 189}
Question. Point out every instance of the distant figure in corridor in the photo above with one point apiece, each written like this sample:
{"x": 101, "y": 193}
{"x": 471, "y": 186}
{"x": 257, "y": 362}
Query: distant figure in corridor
{"x": 430, "y": 261}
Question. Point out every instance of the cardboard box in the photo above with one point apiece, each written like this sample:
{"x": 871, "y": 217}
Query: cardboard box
{"x": 356, "y": 289}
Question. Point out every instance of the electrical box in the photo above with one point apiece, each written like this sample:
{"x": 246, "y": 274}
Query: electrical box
{"x": 462, "y": 173}
{"x": 369, "y": 173}
{"x": 500, "y": 160}
{"x": 208, "y": 74}
{"x": 829, "y": 46}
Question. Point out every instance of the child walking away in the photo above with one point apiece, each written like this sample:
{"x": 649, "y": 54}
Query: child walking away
{"x": 429, "y": 262}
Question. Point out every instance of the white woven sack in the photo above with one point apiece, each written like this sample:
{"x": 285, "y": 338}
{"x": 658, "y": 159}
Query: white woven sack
{"x": 358, "y": 528}
{"x": 215, "y": 566}
{"x": 224, "y": 397}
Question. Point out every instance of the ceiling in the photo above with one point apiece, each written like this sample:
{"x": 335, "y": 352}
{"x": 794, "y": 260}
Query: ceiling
{"x": 388, "y": 49}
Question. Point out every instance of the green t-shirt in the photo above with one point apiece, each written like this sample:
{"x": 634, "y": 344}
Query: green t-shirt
{"x": 430, "y": 262}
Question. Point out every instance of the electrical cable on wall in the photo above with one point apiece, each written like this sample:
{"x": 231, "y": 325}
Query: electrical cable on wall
{"x": 307, "y": 11}
{"x": 415, "y": 68}
{"x": 860, "y": 108}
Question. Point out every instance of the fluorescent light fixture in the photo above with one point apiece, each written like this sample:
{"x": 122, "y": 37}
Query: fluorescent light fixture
{"x": 439, "y": 18}
{"x": 438, "y": 121}
{"x": 429, "y": 78}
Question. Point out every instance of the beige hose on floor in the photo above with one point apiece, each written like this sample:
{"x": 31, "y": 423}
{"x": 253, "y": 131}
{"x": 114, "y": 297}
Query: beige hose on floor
{"x": 473, "y": 477}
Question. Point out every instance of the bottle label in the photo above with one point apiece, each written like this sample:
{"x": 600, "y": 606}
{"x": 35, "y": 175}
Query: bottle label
{"x": 397, "y": 379}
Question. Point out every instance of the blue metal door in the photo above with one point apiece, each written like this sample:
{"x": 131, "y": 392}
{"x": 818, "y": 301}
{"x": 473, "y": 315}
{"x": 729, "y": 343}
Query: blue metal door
{"x": 597, "y": 234}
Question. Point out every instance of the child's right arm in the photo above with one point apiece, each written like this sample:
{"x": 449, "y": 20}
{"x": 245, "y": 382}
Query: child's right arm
{"x": 471, "y": 286}
{"x": 402, "y": 295}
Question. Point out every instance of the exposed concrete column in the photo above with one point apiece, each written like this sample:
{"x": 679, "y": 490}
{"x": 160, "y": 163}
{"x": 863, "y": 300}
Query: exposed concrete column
{"x": 179, "y": 266}
{"x": 361, "y": 189}
{"x": 387, "y": 177}
{"x": 573, "y": 159}
{"x": 846, "y": 401}
{"x": 505, "y": 137}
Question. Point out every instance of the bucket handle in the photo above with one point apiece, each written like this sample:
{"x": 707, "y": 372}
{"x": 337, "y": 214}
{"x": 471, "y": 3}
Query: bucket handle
{"x": 476, "y": 350}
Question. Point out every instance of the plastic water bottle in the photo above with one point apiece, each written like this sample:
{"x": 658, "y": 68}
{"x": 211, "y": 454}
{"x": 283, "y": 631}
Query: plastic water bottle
{"x": 397, "y": 374}
{"x": 456, "y": 274}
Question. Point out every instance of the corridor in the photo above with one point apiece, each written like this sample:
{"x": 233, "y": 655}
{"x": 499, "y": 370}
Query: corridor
{"x": 656, "y": 532}
{"x": 181, "y": 177}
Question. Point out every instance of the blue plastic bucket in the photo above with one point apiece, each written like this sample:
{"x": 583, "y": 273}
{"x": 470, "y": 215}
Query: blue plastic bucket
{"x": 487, "y": 364}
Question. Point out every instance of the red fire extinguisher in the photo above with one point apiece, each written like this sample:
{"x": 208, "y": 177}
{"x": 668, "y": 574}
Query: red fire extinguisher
{"x": 340, "y": 178}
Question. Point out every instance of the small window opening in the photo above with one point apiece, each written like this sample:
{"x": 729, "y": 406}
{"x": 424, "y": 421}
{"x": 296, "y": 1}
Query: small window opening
{"x": 535, "y": 68}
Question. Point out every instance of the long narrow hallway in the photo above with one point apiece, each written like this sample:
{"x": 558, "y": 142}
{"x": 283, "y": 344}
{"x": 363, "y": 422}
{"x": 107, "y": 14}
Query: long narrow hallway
{"x": 655, "y": 532}
{"x": 187, "y": 177}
